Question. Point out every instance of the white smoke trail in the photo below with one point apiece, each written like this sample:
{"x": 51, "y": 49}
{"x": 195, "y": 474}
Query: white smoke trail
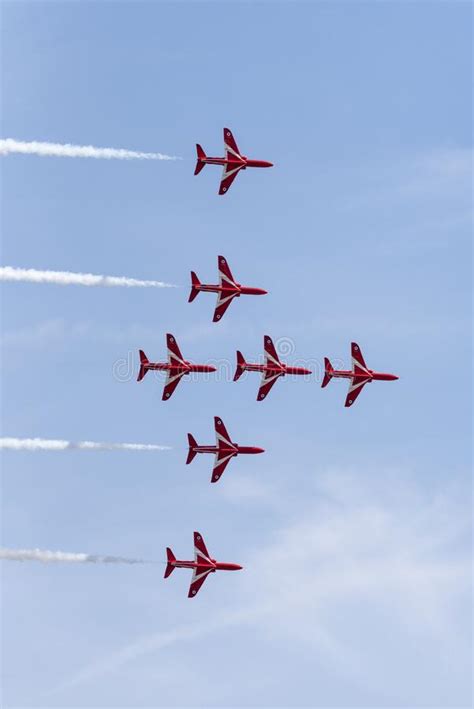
{"x": 42, "y": 444}
{"x": 65, "y": 278}
{"x": 9, "y": 145}
{"x": 55, "y": 556}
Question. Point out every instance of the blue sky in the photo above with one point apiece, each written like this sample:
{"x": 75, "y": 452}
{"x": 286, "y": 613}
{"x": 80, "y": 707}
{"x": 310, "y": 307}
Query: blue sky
{"x": 354, "y": 526}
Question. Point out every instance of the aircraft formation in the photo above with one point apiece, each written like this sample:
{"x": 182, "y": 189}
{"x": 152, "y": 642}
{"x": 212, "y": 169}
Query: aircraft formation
{"x": 176, "y": 367}
{"x": 227, "y": 289}
{"x": 272, "y": 369}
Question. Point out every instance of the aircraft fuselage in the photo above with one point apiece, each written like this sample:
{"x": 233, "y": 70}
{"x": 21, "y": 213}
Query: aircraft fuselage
{"x": 214, "y": 566}
{"x": 371, "y": 376}
{"x": 235, "y": 450}
{"x": 243, "y": 163}
{"x": 237, "y": 291}
{"x": 187, "y": 367}
{"x": 282, "y": 370}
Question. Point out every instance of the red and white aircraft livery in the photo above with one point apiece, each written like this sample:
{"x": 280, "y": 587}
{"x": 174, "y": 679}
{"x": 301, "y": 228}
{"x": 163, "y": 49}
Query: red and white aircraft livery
{"x": 202, "y": 565}
{"x": 176, "y": 367}
{"x": 224, "y": 450}
{"x": 360, "y": 374}
{"x": 233, "y": 161}
{"x": 271, "y": 370}
{"x": 227, "y": 289}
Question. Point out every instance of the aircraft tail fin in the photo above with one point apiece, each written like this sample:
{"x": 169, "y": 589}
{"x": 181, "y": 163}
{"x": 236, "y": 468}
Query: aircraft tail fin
{"x": 144, "y": 362}
{"x": 240, "y": 366}
{"x": 192, "y": 446}
{"x": 195, "y": 283}
{"x": 201, "y": 156}
{"x": 328, "y": 372}
{"x": 169, "y": 566}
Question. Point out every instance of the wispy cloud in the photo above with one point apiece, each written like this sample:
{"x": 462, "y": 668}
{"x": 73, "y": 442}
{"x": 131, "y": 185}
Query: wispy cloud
{"x": 441, "y": 175}
{"x": 48, "y": 333}
{"x": 247, "y": 489}
{"x": 382, "y": 551}
{"x": 154, "y": 643}
{"x": 43, "y": 334}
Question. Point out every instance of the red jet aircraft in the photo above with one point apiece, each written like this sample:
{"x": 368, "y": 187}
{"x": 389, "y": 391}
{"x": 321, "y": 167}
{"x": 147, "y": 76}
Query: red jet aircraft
{"x": 176, "y": 367}
{"x": 271, "y": 370}
{"x": 233, "y": 161}
{"x": 224, "y": 449}
{"x": 227, "y": 289}
{"x": 360, "y": 374}
{"x": 202, "y": 565}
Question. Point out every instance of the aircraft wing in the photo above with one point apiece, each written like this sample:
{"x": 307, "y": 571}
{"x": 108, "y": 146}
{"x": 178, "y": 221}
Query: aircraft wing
{"x": 268, "y": 380}
{"x": 200, "y": 550}
{"x": 229, "y": 174}
{"x": 225, "y": 274}
{"x": 226, "y": 279}
{"x": 359, "y": 366}
{"x": 223, "y": 454}
{"x": 223, "y": 302}
{"x": 230, "y": 145}
{"x": 174, "y": 353}
{"x": 355, "y": 387}
{"x": 199, "y": 576}
{"x": 171, "y": 383}
{"x": 201, "y": 570}
{"x": 221, "y": 462}
{"x": 271, "y": 355}
{"x": 222, "y": 437}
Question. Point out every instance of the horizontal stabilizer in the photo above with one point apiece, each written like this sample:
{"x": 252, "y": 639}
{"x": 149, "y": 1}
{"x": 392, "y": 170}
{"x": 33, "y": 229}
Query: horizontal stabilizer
{"x": 192, "y": 446}
{"x": 328, "y": 372}
{"x": 240, "y": 366}
{"x": 201, "y": 156}
{"x": 169, "y": 566}
{"x": 144, "y": 362}
{"x": 195, "y": 283}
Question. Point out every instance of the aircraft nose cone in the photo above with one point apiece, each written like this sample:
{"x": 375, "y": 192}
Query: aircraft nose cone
{"x": 259, "y": 450}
